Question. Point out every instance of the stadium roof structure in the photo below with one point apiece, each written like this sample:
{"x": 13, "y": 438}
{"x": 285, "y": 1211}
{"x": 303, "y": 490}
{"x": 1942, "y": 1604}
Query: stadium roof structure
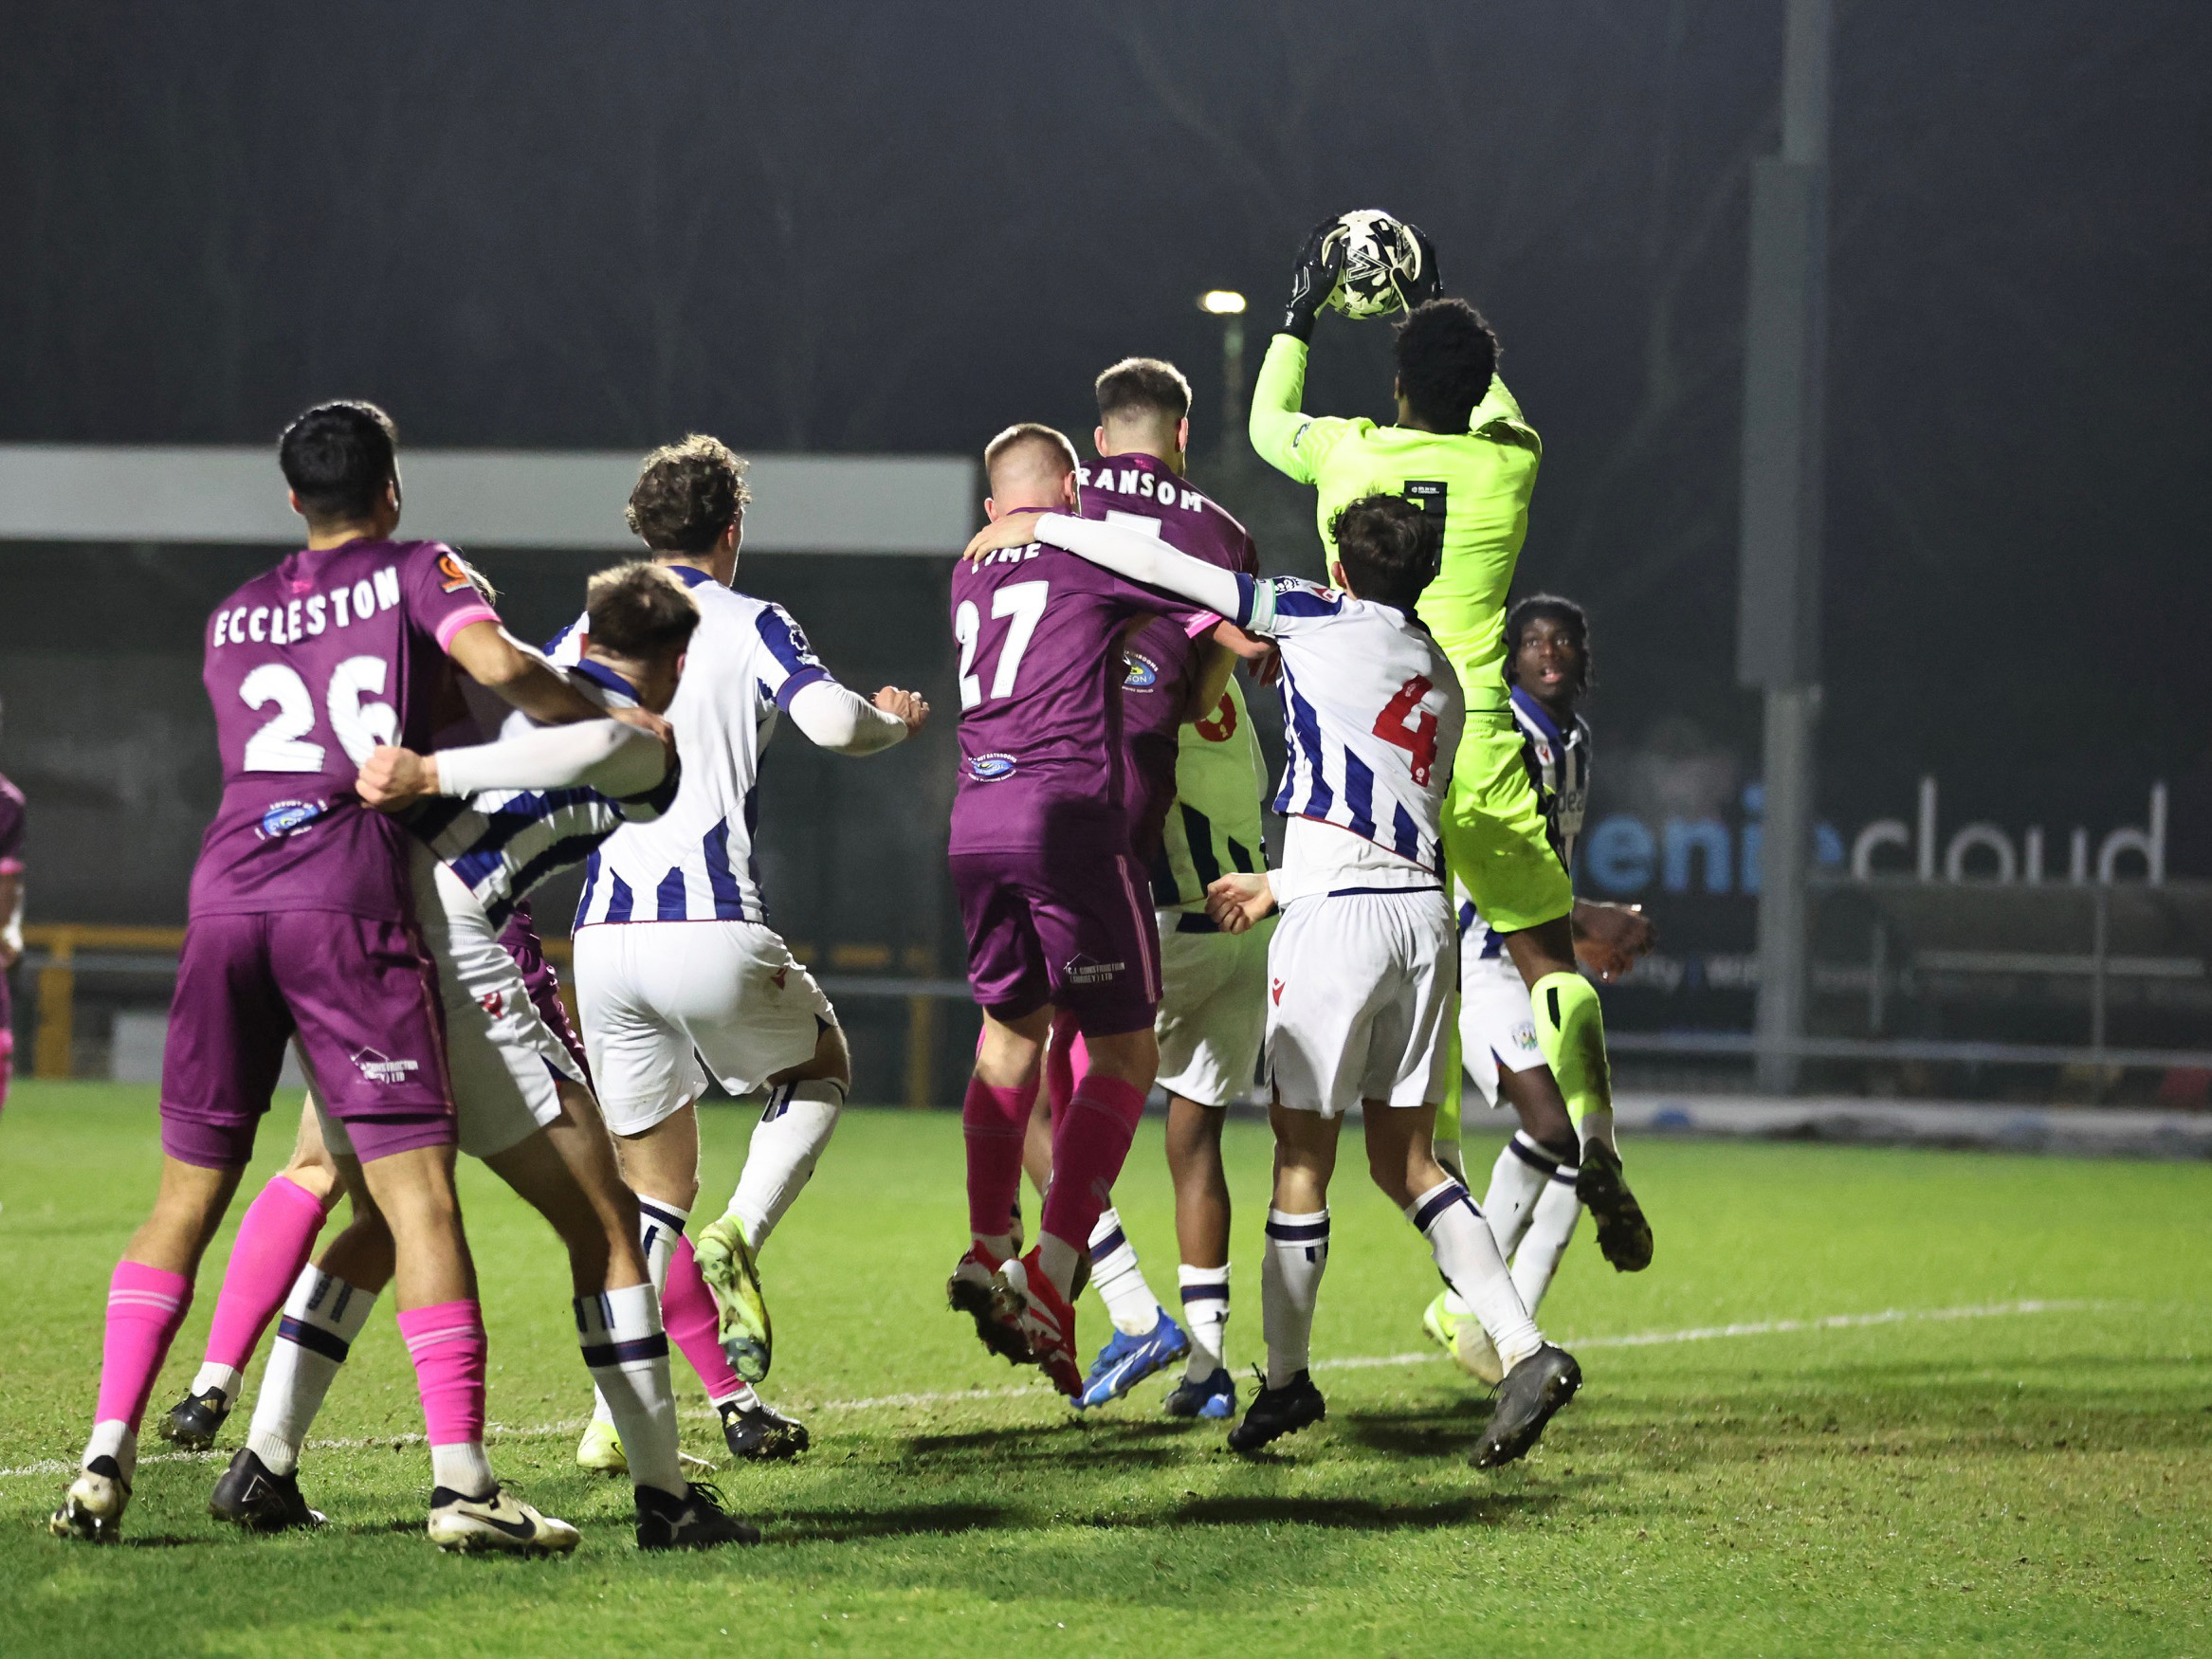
{"x": 480, "y": 498}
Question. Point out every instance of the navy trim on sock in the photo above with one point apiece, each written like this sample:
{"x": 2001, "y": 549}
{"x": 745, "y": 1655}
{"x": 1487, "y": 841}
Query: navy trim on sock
{"x": 314, "y": 1339}
{"x": 1205, "y": 1293}
{"x": 1441, "y": 1200}
{"x": 653, "y": 1347}
{"x": 1299, "y": 1231}
{"x": 1114, "y": 1241}
{"x": 1535, "y": 1157}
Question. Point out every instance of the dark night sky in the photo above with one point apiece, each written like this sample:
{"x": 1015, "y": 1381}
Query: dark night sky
{"x": 898, "y": 228}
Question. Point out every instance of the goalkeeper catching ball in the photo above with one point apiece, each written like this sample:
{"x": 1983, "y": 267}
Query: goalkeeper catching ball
{"x": 1461, "y": 449}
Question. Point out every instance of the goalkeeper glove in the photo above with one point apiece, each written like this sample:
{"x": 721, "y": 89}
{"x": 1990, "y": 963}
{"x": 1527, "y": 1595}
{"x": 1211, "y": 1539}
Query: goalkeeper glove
{"x": 1320, "y": 264}
{"x": 1428, "y": 282}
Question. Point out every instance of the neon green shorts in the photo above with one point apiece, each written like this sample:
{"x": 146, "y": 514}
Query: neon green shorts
{"x": 1494, "y": 834}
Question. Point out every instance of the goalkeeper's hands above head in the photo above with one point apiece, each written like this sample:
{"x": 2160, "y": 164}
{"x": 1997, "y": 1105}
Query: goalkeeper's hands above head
{"x": 1430, "y": 284}
{"x": 1320, "y": 263}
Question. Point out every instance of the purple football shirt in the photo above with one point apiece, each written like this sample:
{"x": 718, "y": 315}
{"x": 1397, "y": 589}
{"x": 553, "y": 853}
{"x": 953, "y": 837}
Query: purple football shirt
{"x": 1160, "y": 656}
{"x": 309, "y": 666}
{"x": 1042, "y": 759}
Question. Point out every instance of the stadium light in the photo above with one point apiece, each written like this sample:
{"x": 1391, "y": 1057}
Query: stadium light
{"x": 1221, "y": 303}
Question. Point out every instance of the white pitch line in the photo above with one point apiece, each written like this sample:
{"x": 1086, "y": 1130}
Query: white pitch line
{"x": 1838, "y": 1322}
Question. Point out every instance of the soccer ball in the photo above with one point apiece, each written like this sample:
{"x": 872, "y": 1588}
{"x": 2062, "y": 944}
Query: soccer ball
{"x": 1383, "y": 265}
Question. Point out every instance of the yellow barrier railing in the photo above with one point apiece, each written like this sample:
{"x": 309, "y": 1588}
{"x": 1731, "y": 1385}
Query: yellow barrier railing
{"x": 54, "y": 1043}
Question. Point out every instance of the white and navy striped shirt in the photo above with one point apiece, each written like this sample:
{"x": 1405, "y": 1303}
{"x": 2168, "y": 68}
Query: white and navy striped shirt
{"x": 695, "y": 862}
{"x": 1559, "y": 767}
{"x": 1372, "y": 714}
{"x": 504, "y": 843}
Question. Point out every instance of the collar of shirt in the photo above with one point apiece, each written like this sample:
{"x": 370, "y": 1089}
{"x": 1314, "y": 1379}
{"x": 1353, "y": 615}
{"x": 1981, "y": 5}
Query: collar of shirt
{"x": 598, "y": 674}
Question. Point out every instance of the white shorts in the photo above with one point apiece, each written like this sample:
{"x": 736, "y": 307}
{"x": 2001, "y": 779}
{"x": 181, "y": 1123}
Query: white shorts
{"x": 1213, "y": 1010}
{"x": 664, "y": 1004}
{"x": 1497, "y": 1027}
{"x": 503, "y": 1061}
{"x": 1359, "y": 1001}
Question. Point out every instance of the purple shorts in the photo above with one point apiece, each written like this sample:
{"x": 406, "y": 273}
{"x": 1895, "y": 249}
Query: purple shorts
{"x": 362, "y": 998}
{"x": 1070, "y": 927}
{"x": 520, "y": 938}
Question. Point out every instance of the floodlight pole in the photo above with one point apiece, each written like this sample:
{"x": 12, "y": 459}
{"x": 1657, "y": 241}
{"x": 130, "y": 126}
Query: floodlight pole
{"x": 1783, "y": 469}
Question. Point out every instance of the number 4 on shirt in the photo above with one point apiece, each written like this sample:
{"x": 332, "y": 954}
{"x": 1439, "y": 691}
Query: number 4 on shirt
{"x": 1417, "y": 735}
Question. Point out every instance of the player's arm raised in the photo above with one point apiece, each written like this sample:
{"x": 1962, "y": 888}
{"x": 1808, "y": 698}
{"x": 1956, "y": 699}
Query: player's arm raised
{"x": 1277, "y": 420}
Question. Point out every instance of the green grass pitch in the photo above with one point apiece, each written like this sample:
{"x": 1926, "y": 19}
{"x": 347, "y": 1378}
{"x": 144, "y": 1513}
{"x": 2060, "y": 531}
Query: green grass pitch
{"x": 2018, "y": 1462}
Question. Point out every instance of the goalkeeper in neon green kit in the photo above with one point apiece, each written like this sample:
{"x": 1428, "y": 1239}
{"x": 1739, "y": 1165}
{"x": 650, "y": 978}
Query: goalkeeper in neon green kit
{"x": 1461, "y": 449}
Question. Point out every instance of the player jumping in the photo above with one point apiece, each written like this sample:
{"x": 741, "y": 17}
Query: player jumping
{"x": 1195, "y": 769}
{"x": 678, "y": 972}
{"x": 1364, "y": 966}
{"x": 1461, "y": 451}
{"x": 1053, "y": 904}
{"x": 301, "y": 922}
{"x": 1532, "y": 1204}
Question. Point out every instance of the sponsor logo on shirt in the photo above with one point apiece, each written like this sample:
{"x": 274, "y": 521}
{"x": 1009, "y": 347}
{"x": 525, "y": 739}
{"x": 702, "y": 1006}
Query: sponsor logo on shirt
{"x": 991, "y": 768}
{"x": 1083, "y": 971}
{"x": 283, "y": 817}
{"x": 493, "y": 1002}
{"x": 1275, "y": 988}
{"x": 451, "y": 577}
{"x": 380, "y": 1067}
{"x": 1143, "y": 672}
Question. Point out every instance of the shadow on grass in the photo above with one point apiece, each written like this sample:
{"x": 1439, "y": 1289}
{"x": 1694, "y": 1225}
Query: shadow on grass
{"x": 918, "y": 1520}
{"x": 1362, "y": 1514}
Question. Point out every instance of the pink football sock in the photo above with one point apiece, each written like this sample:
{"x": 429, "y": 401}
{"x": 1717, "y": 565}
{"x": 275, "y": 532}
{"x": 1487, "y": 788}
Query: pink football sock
{"x": 994, "y": 1121}
{"x": 688, "y": 1316}
{"x": 273, "y": 1244}
{"x": 447, "y": 1343}
{"x": 1089, "y": 1146}
{"x": 144, "y": 1307}
{"x": 1065, "y": 1060}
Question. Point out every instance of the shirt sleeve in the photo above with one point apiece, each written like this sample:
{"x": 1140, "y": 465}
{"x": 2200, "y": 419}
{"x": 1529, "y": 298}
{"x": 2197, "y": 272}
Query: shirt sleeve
{"x": 1137, "y": 557}
{"x": 608, "y": 756}
{"x": 1283, "y": 435}
{"x": 442, "y": 594}
{"x": 565, "y": 650}
{"x": 1282, "y": 606}
{"x": 789, "y": 664}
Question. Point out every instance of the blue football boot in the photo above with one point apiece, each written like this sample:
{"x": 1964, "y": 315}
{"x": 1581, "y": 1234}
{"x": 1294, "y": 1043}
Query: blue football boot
{"x": 1127, "y": 1361}
{"x": 1214, "y": 1398}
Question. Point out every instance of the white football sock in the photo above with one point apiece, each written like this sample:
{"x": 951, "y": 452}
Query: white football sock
{"x": 464, "y": 1468}
{"x": 794, "y": 1126}
{"x": 1516, "y": 1181}
{"x": 1058, "y": 1258}
{"x": 627, "y": 1355}
{"x": 1205, "y": 1297}
{"x": 1468, "y": 1256}
{"x": 1597, "y": 1125}
{"x": 316, "y": 1331}
{"x": 227, "y": 1377}
{"x": 745, "y": 1399}
{"x": 660, "y": 1226}
{"x": 1118, "y": 1278}
{"x": 1550, "y": 1227}
{"x": 1290, "y": 1281}
{"x": 113, "y": 1437}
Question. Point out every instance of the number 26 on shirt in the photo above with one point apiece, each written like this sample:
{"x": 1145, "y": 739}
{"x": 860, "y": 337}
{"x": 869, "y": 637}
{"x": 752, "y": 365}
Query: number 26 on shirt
{"x": 1022, "y": 601}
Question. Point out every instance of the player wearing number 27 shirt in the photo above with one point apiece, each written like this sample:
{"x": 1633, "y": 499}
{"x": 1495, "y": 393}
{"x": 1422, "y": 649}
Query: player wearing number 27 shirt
{"x": 1363, "y": 968}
